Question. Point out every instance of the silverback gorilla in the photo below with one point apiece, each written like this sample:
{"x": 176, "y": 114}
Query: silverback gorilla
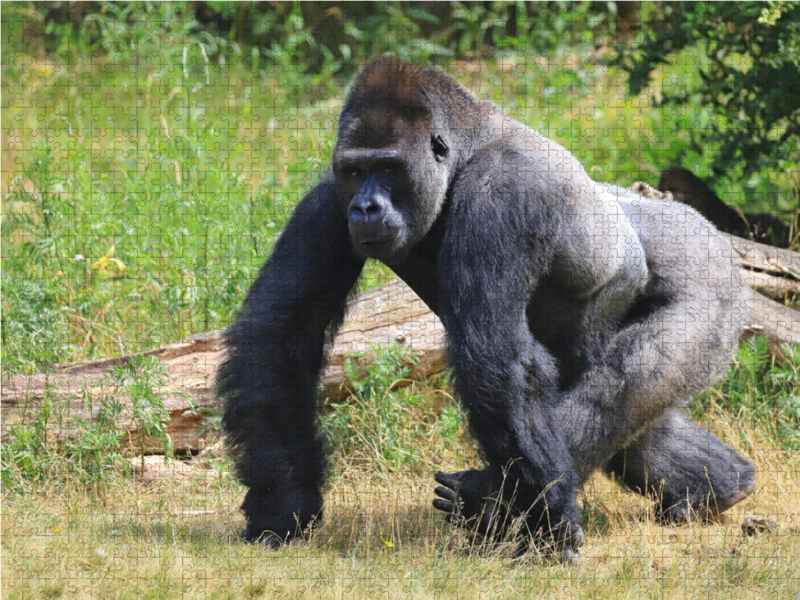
{"x": 580, "y": 317}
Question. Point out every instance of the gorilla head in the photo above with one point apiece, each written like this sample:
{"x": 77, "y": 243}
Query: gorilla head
{"x": 393, "y": 160}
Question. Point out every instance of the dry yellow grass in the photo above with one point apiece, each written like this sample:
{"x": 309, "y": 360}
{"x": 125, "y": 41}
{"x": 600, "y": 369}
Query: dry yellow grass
{"x": 381, "y": 539}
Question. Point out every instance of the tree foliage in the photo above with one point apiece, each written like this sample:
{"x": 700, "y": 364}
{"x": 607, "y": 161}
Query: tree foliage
{"x": 748, "y": 61}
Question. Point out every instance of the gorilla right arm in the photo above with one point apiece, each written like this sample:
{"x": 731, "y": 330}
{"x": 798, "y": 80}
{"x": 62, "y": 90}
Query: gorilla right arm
{"x": 498, "y": 244}
{"x": 268, "y": 381}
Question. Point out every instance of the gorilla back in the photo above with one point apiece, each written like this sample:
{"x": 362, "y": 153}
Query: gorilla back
{"x": 578, "y": 316}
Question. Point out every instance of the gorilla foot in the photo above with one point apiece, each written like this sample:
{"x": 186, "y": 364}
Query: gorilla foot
{"x": 690, "y": 473}
{"x": 708, "y": 506}
{"x": 273, "y": 520}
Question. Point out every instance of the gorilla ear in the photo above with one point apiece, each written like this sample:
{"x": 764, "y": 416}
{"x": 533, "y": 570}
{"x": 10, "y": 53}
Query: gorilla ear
{"x": 440, "y": 149}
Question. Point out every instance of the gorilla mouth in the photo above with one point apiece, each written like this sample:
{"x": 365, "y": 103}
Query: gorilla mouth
{"x": 384, "y": 248}
{"x": 377, "y": 240}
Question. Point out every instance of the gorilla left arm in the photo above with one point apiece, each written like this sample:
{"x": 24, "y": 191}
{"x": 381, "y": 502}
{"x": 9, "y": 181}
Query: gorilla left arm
{"x": 499, "y": 242}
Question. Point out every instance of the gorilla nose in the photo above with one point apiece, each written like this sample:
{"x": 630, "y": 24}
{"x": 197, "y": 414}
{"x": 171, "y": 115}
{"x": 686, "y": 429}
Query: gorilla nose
{"x": 365, "y": 209}
{"x": 366, "y": 219}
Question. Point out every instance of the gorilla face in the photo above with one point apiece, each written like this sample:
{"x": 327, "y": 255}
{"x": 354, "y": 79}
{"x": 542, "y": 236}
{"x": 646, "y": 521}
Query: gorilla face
{"x": 375, "y": 189}
{"x": 392, "y": 195}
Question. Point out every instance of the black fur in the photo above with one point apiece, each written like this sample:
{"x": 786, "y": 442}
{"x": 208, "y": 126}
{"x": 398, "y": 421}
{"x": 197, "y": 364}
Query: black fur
{"x": 578, "y": 316}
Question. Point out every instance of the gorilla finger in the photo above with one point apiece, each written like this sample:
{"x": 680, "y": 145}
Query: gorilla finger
{"x": 575, "y": 536}
{"x": 446, "y": 493}
{"x": 444, "y": 506}
{"x": 449, "y": 479}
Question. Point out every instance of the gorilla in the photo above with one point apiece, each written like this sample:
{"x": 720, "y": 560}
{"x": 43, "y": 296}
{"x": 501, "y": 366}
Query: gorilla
{"x": 580, "y": 317}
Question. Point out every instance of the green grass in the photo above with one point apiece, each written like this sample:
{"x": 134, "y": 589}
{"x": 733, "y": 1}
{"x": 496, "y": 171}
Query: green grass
{"x": 761, "y": 392}
{"x": 119, "y": 536}
{"x": 146, "y": 177}
{"x": 177, "y": 537}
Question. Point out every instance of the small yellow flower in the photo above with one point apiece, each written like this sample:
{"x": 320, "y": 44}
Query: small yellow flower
{"x": 57, "y": 529}
{"x": 44, "y": 68}
{"x": 109, "y": 266}
{"x": 389, "y": 543}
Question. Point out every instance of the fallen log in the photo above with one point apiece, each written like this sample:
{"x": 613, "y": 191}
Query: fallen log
{"x": 390, "y": 314}
{"x": 773, "y": 272}
{"x": 688, "y": 188}
{"x": 769, "y": 259}
{"x": 774, "y": 287}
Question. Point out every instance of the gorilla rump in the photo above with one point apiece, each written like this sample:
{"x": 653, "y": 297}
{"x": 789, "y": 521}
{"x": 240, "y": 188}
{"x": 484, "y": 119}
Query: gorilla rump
{"x": 580, "y": 317}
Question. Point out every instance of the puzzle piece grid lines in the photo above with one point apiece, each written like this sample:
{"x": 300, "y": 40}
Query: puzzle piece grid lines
{"x": 148, "y": 190}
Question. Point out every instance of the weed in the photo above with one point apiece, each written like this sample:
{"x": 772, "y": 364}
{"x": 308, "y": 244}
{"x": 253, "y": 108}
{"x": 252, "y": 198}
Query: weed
{"x": 142, "y": 380}
{"x": 90, "y": 449}
{"x": 34, "y": 325}
{"x": 381, "y": 421}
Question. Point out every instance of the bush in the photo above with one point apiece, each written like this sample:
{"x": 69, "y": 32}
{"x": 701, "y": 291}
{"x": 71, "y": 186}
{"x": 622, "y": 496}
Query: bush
{"x": 748, "y": 67}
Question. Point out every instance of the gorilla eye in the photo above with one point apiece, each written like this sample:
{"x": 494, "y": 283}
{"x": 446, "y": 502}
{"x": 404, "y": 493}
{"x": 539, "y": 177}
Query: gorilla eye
{"x": 388, "y": 170}
{"x": 439, "y": 148}
{"x": 354, "y": 174}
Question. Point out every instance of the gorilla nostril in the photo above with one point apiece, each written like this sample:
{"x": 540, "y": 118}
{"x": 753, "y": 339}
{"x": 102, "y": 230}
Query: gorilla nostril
{"x": 361, "y": 214}
{"x": 356, "y": 216}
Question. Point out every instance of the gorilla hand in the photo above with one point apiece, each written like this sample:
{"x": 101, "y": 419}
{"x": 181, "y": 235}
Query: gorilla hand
{"x": 470, "y": 500}
{"x": 276, "y": 516}
{"x": 474, "y": 500}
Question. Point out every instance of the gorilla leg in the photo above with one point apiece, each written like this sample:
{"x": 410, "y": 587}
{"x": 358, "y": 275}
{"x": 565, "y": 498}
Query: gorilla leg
{"x": 673, "y": 343}
{"x": 647, "y": 367}
{"x": 686, "y": 468}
